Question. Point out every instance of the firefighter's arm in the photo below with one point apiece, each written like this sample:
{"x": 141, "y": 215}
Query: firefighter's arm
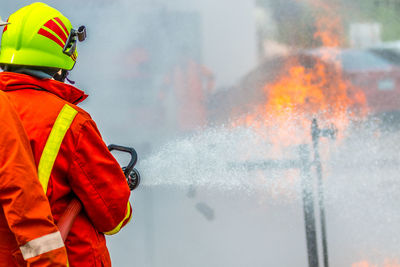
{"x": 22, "y": 199}
{"x": 98, "y": 181}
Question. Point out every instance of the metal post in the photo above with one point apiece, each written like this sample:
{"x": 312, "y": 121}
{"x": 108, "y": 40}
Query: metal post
{"x": 307, "y": 185}
{"x": 308, "y": 206}
{"x": 316, "y": 133}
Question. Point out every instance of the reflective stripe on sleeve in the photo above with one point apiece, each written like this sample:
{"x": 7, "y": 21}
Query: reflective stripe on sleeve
{"x": 50, "y": 151}
{"x": 42, "y": 245}
{"x": 116, "y": 229}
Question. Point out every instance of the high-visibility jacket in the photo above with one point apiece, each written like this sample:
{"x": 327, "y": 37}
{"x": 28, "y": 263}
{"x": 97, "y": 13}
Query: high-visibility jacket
{"x": 27, "y": 229}
{"x": 73, "y": 162}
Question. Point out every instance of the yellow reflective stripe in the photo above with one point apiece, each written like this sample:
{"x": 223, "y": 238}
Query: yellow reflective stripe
{"x": 50, "y": 151}
{"x": 42, "y": 245}
{"x": 116, "y": 229}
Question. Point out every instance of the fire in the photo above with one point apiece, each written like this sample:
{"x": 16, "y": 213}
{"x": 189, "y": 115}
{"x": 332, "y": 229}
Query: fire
{"x": 315, "y": 89}
{"x": 329, "y": 26}
{"x": 303, "y": 94}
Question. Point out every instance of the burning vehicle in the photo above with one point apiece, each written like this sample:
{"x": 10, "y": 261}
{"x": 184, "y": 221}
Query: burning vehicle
{"x": 377, "y": 77}
{"x": 328, "y": 82}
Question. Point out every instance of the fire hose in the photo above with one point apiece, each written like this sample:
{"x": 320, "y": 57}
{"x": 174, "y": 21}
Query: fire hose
{"x": 75, "y": 206}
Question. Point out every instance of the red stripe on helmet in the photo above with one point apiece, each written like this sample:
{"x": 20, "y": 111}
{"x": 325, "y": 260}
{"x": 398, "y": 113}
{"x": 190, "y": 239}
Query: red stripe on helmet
{"x": 55, "y": 28}
{"x": 62, "y": 24}
{"x": 51, "y": 37}
{"x": 5, "y": 28}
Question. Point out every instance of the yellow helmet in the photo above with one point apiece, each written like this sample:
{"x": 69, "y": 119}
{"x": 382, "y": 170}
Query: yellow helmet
{"x": 39, "y": 35}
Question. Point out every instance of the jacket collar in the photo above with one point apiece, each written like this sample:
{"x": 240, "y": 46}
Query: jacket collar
{"x": 10, "y": 81}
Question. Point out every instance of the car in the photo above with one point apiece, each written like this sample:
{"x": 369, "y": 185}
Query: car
{"x": 368, "y": 75}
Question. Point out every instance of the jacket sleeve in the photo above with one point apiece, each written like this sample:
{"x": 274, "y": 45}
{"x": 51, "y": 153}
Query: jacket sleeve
{"x": 98, "y": 181}
{"x": 22, "y": 199}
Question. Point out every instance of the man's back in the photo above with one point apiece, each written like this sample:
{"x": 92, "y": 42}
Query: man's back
{"x": 27, "y": 228}
{"x": 83, "y": 168}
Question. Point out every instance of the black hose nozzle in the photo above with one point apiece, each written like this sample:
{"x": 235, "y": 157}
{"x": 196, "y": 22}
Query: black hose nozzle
{"x": 132, "y": 175}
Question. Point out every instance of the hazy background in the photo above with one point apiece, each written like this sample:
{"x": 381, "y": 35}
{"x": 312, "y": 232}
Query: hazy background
{"x": 168, "y": 77}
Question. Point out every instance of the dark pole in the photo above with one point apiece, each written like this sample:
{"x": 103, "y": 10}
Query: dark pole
{"x": 316, "y": 133}
{"x": 308, "y": 206}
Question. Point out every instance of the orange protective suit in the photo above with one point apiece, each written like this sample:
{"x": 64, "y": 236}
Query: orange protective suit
{"x": 83, "y": 166}
{"x": 27, "y": 229}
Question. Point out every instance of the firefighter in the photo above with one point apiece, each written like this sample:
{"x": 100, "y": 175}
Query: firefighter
{"x": 27, "y": 229}
{"x": 38, "y": 48}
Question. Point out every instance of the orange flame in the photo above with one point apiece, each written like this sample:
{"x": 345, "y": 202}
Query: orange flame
{"x": 329, "y": 26}
{"x": 303, "y": 93}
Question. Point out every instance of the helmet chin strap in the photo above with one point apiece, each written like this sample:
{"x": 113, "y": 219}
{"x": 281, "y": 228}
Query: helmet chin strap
{"x": 62, "y": 75}
{"x": 70, "y": 81}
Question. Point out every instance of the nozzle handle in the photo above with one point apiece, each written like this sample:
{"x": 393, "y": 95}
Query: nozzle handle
{"x": 131, "y": 174}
